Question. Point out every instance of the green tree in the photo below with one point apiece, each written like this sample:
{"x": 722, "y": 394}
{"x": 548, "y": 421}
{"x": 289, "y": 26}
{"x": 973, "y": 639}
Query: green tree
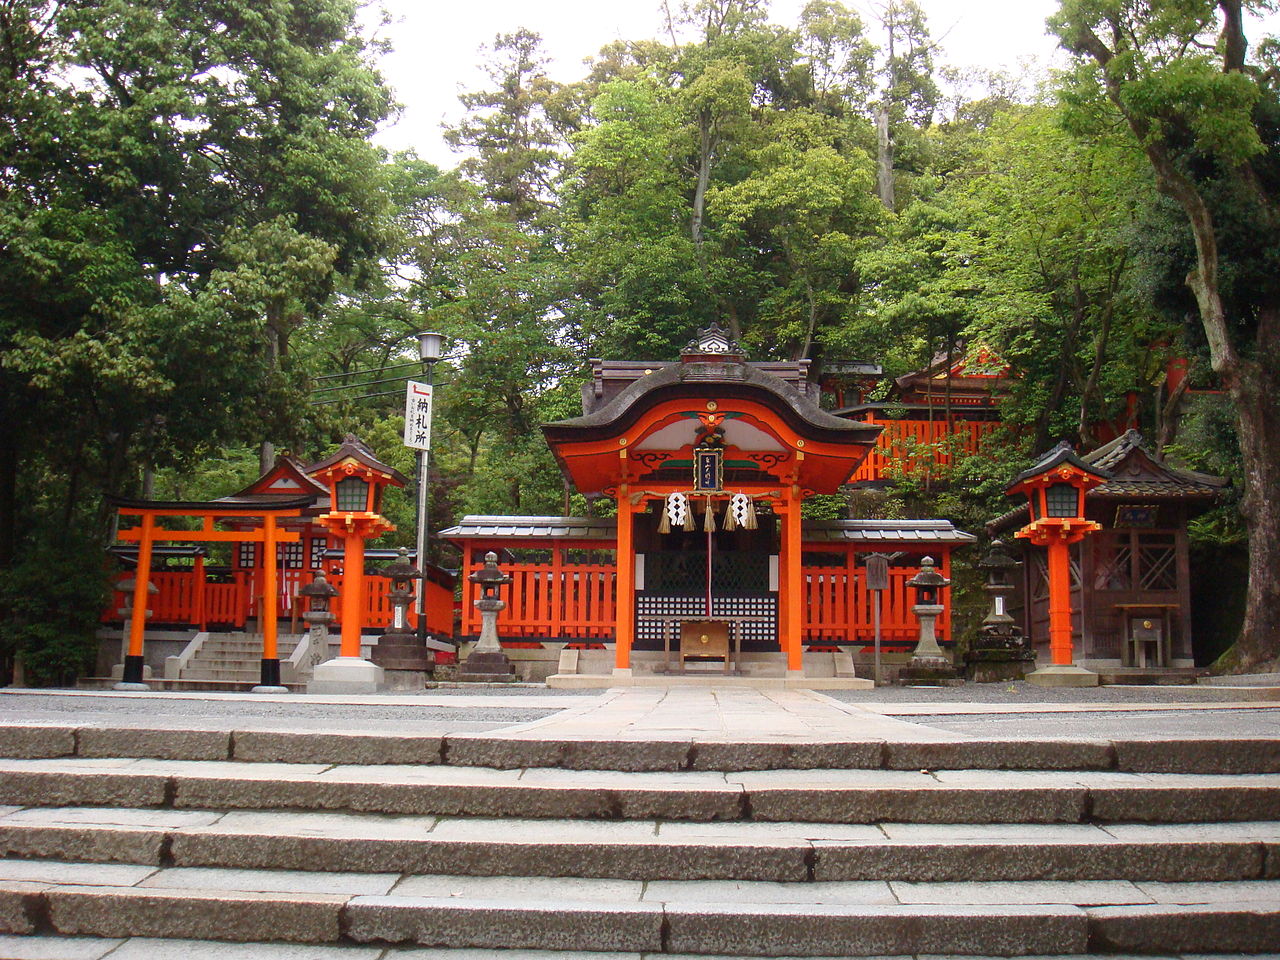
{"x": 1205, "y": 110}
{"x": 180, "y": 185}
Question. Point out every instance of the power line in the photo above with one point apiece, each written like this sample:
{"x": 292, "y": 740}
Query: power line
{"x": 365, "y": 383}
{"x": 357, "y": 373}
{"x": 367, "y": 396}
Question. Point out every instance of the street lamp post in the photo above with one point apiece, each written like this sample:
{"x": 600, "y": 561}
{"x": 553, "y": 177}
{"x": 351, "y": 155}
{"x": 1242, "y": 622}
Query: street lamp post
{"x": 429, "y": 345}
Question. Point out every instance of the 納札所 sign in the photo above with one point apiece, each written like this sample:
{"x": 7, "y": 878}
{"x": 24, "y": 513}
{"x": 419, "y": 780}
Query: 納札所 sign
{"x": 417, "y": 416}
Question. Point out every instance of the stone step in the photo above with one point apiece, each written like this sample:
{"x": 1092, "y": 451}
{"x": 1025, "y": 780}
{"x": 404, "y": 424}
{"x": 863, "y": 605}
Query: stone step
{"x": 825, "y": 796}
{"x": 645, "y": 849}
{"x": 164, "y": 948}
{"x": 202, "y": 671}
{"x": 1195, "y": 756}
{"x": 700, "y": 918}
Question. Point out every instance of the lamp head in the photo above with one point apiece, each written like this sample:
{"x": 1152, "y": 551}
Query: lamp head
{"x": 429, "y": 346}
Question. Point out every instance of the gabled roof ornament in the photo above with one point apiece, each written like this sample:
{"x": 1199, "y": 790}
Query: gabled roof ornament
{"x": 713, "y": 343}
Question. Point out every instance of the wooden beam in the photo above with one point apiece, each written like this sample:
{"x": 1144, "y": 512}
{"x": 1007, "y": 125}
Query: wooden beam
{"x": 200, "y": 536}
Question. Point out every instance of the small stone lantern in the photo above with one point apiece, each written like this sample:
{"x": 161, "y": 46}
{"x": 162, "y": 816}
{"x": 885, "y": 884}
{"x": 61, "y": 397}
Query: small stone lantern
{"x": 1000, "y": 651}
{"x": 487, "y": 662}
{"x": 319, "y": 593}
{"x": 399, "y": 651}
{"x": 929, "y": 665}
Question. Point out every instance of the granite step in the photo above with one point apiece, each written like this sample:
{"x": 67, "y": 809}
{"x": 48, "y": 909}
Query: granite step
{"x": 644, "y": 849}
{"x": 825, "y": 796}
{"x": 158, "y": 948}
{"x": 694, "y": 917}
{"x": 526, "y": 750}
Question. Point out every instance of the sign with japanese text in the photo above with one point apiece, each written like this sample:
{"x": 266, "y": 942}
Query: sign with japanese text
{"x": 417, "y": 416}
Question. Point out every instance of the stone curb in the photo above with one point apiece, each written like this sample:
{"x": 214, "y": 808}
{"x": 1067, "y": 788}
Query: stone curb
{"x": 921, "y": 800}
{"x": 1194, "y": 928}
{"x": 778, "y": 860}
{"x": 966, "y": 930}
{"x": 1182, "y": 755}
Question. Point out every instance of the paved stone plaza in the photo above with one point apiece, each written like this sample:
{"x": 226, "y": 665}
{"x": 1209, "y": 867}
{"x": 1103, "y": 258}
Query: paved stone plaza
{"x": 640, "y": 822}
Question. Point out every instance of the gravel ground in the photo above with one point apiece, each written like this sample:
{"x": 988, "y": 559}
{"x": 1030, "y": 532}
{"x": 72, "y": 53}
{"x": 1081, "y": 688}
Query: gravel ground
{"x": 161, "y": 711}
{"x": 1023, "y": 692}
{"x": 1158, "y": 724}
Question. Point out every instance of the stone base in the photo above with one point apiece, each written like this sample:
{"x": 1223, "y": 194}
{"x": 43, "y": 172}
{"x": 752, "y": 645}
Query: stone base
{"x": 403, "y": 681}
{"x": 997, "y": 671}
{"x": 928, "y": 672}
{"x": 1063, "y": 675}
{"x": 132, "y": 687}
{"x": 396, "y": 652}
{"x": 487, "y": 668}
{"x": 260, "y": 688}
{"x": 346, "y": 675}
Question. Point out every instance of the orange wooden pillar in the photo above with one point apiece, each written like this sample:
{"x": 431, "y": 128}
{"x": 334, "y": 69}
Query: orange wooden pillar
{"x": 1060, "y": 652}
{"x": 201, "y": 595}
{"x": 352, "y": 594}
{"x": 791, "y": 591}
{"x": 626, "y": 587}
{"x": 270, "y": 675}
{"x": 132, "y": 672}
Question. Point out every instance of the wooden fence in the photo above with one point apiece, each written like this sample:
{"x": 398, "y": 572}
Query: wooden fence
{"x": 912, "y": 445}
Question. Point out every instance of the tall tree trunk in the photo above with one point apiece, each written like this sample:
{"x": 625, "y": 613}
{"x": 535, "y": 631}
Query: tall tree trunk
{"x": 706, "y": 142}
{"x": 884, "y": 158}
{"x": 1256, "y": 394}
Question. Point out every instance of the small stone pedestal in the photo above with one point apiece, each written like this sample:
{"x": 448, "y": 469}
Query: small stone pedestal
{"x": 346, "y": 675}
{"x": 487, "y": 662}
{"x": 1063, "y": 675}
{"x": 399, "y": 651}
{"x": 929, "y": 665}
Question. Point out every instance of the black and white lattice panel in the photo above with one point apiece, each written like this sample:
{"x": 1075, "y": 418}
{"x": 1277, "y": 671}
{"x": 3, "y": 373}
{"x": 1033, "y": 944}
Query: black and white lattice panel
{"x": 695, "y": 608}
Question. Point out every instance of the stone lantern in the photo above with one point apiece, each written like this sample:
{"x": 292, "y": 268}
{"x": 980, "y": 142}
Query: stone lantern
{"x": 319, "y": 592}
{"x": 928, "y": 663}
{"x": 1055, "y": 488}
{"x": 1000, "y": 651}
{"x": 487, "y": 661}
{"x": 400, "y": 652}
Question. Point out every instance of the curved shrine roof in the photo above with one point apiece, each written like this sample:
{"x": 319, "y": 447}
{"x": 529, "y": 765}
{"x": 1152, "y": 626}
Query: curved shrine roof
{"x": 641, "y": 408}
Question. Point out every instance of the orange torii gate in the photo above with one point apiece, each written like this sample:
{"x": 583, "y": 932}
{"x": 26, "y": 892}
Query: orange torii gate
{"x": 269, "y": 508}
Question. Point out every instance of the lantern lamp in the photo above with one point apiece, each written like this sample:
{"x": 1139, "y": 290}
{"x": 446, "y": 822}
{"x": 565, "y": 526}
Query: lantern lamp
{"x": 928, "y": 583}
{"x": 1055, "y": 489}
{"x": 429, "y": 346}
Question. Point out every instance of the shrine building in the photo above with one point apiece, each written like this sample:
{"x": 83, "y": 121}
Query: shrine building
{"x": 707, "y": 564}
{"x": 1130, "y": 582}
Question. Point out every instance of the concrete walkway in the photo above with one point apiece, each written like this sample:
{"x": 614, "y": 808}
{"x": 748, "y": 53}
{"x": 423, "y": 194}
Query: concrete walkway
{"x": 721, "y": 713}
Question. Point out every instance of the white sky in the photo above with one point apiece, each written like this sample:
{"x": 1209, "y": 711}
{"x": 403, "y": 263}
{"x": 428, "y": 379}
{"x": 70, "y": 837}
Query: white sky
{"x": 436, "y": 45}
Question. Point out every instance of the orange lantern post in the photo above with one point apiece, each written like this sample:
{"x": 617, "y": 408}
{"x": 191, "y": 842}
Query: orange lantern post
{"x": 356, "y": 480}
{"x": 1055, "y": 489}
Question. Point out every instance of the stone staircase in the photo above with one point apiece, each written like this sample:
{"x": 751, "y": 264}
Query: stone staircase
{"x": 720, "y": 848}
{"x": 232, "y": 660}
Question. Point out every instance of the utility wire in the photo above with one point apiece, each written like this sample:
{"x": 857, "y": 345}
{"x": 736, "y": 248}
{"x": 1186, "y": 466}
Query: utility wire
{"x": 365, "y": 383}
{"x": 367, "y": 396}
{"x": 356, "y": 373}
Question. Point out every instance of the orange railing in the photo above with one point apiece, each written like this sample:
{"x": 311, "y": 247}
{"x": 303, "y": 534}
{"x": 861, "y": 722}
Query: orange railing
{"x": 183, "y": 599}
{"x": 909, "y": 445}
{"x": 550, "y": 600}
{"x": 839, "y": 608}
